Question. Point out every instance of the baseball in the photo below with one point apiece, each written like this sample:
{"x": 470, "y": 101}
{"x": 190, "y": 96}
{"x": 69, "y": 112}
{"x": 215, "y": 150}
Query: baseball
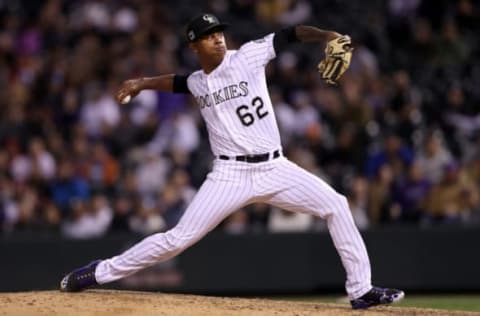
{"x": 126, "y": 99}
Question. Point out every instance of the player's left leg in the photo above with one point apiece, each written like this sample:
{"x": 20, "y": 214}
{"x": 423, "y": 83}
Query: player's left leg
{"x": 292, "y": 188}
{"x": 225, "y": 190}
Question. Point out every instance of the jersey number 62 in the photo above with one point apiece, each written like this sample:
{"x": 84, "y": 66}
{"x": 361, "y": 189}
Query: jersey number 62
{"x": 246, "y": 117}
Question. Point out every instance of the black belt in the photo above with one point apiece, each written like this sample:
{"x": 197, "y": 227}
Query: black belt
{"x": 252, "y": 158}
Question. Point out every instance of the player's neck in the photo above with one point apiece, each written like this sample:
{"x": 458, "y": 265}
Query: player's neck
{"x": 209, "y": 64}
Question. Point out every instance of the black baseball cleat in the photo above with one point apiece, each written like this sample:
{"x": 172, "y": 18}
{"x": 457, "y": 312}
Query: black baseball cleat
{"x": 80, "y": 279}
{"x": 377, "y": 296}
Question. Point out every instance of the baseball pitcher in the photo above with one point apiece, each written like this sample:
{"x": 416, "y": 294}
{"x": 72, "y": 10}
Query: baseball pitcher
{"x": 249, "y": 166}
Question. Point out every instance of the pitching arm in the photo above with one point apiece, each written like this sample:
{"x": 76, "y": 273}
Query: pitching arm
{"x": 168, "y": 83}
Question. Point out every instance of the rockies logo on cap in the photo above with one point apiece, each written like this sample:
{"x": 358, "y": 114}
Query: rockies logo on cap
{"x": 202, "y": 25}
{"x": 210, "y": 18}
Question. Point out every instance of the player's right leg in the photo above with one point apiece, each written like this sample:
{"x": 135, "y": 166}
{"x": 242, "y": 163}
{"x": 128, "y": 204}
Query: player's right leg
{"x": 223, "y": 192}
{"x": 292, "y": 188}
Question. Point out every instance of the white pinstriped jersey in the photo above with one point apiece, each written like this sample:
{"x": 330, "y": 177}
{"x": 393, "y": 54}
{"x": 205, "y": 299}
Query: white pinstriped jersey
{"x": 235, "y": 103}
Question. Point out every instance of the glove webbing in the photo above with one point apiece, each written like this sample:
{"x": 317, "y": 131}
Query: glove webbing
{"x": 333, "y": 69}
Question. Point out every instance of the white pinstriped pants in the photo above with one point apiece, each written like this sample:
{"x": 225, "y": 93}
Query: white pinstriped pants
{"x": 232, "y": 185}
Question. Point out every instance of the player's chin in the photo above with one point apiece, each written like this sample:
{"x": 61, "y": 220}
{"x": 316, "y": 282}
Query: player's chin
{"x": 219, "y": 51}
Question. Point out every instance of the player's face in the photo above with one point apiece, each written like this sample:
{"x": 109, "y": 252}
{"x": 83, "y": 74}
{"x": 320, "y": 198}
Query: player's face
{"x": 211, "y": 45}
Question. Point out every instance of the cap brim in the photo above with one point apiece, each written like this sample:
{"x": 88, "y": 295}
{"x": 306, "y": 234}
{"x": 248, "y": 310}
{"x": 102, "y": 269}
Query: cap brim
{"x": 215, "y": 28}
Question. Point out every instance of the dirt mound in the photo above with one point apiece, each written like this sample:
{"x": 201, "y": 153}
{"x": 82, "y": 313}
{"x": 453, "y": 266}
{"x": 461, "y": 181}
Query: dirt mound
{"x": 117, "y": 303}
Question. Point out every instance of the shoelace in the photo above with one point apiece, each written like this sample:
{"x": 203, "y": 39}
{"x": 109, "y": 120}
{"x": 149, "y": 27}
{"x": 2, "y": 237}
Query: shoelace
{"x": 84, "y": 276}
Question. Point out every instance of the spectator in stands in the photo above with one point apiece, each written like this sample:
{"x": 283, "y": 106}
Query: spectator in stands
{"x": 433, "y": 156}
{"x": 452, "y": 49}
{"x": 27, "y": 202}
{"x": 380, "y": 199}
{"x": 100, "y": 114}
{"x": 405, "y": 101}
{"x": 467, "y": 18}
{"x": 394, "y": 152}
{"x": 8, "y": 204}
{"x": 460, "y": 118}
{"x": 146, "y": 220}
{"x": 122, "y": 211}
{"x": 172, "y": 205}
{"x": 88, "y": 219}
{"x": 51, "y": 218}
{"x": 409, "y": 193}
{"x": 42, "y": 161}
{"x": 151, "y": 174}
{"x": 358, "y": 202}
{"x": 453, "y": 199}
{"x": 472, "y": 171}
{"x": 68, "y": 187}
{"x": 422, "y": 47}
{"x": 103, "y": 169}
{"x": 180, "y": 181}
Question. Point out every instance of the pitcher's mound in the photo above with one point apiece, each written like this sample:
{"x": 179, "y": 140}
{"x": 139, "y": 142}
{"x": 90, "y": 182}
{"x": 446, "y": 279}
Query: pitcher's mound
{"x": 117, "y": 303}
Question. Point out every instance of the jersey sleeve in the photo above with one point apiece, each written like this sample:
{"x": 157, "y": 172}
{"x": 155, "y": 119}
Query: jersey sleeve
{"x": 284, "y": 37}
{"x": 258, "y": 52}
{"x": 193, "y": 82}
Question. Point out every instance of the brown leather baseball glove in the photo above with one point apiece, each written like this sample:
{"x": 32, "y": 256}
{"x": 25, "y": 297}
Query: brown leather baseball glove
{"x": 338, "y": 54}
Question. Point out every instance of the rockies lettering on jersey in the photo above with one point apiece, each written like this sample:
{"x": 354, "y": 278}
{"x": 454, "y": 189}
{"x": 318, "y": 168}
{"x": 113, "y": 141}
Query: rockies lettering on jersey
{"x": 230, "y": 92}
{"x": 235, "y": 103}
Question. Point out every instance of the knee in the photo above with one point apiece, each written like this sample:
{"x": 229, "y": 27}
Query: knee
{"x": 340, "y": 203}
{"x": 335, "y": 204}
{"x": 178, "y": 240}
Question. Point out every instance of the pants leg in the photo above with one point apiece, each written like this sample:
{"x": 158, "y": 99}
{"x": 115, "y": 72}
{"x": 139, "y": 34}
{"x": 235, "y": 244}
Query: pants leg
{"x": 223, "y": 192}
{"x": 297, "y": 190}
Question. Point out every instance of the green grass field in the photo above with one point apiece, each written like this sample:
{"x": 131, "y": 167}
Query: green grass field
{"x": 462, "y": 302}
{"x": 452, "y": 302}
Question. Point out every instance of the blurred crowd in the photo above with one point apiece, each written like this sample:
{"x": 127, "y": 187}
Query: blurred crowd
{"x": 400, "y": 135}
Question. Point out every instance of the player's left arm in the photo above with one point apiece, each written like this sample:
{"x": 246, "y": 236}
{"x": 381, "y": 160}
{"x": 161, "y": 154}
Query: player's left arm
{"x": 338, "y": 50}
{"x": 307, "y": 33}
{"x": 302, "y": 33}
{"x": 259, "y": 52}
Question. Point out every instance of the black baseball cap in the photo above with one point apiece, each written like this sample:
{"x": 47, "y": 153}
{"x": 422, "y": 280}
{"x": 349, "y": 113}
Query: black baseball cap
{"x": 202, "y": 25}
